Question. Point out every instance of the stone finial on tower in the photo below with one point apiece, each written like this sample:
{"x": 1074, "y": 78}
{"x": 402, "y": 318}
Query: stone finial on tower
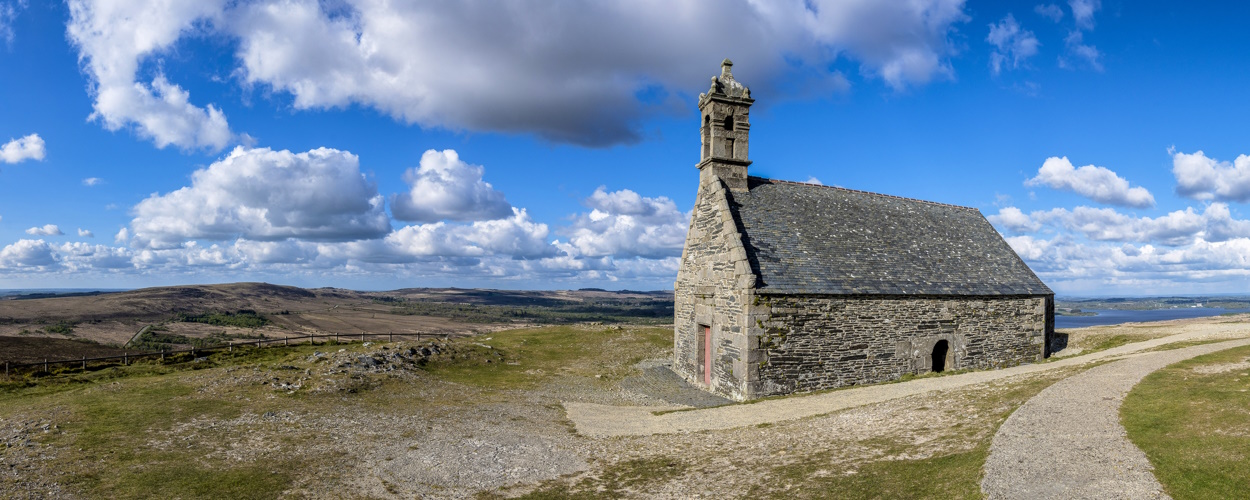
{"x": 724, "y": 111}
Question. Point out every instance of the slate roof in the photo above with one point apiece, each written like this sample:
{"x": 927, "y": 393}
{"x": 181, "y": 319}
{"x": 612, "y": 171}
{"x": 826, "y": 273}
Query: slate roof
{"x": 811, "y": 239}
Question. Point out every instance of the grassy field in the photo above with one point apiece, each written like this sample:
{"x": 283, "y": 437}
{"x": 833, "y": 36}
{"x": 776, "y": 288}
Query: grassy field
{"x": 1192, "y": 420}
{"x": 307, "y": 421}
{"x": 199, "y": 429}
{"x": 105, "y": 422}
{"x": 389, "y": 420}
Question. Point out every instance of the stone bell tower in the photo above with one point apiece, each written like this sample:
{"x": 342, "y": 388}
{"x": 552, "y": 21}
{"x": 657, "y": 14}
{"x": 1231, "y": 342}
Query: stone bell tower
{"x": 726, "y": 125}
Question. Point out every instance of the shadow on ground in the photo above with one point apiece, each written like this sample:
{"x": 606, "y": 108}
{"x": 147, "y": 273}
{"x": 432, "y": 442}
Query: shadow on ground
{"x": 657, "y": 380}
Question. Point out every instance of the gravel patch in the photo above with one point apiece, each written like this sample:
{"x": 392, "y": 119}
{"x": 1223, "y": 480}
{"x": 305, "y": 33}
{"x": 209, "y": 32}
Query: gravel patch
{"x": 1222, "y": 367}
{"x": 1067, "y": 442}
{"x": 658, "y": 381}
{"x": 25, "y": 462}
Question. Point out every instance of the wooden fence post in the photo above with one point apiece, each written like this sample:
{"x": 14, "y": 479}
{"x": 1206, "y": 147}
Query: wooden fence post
{"x": 125, "y": 358}
{"x": 45, "y": 365}
{"x": 362, "y": 336}
{"x": 84, "y": 363}
{"x": 6, "y": 368}
{"x": 392, "y": 334}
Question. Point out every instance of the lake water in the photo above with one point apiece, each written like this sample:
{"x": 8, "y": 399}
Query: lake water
{"x": 1116, "y": 316}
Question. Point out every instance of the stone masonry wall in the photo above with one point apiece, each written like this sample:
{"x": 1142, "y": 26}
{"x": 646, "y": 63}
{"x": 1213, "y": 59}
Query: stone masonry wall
{"x": 821, "y": 342}
{"x": 713, "y": 288}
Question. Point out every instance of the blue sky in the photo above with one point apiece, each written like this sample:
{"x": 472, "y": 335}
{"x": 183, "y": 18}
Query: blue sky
{"x": 535, "y": 144}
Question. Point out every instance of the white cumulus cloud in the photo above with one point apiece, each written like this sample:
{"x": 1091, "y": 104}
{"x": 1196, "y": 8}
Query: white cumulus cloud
{"x": 1080, "y": 266}
{"x": 445, "y": 188}
{"x": 1201, "y": 177}
{"x": 1013, "y": 45}
{"x": 1014, "y": 220}
{"x": 79, "y": 256}
{"x": 1177, "y": 228}
{"x": 30, "y": 147}
{"x": 46, "y": 230}
{"x": 515, "y": 237}
{"x": 27, "y": 254}
{"x": 114, "y": 38}
{"x": 92, "y": 181}
{"x": 261, "y": 194}
{"x": 1096, "y": 183}
{"x": 83, "y": 233}
{"x": 626, "y": 224}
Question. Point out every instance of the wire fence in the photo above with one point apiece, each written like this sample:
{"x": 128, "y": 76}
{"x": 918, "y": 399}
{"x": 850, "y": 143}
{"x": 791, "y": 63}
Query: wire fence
{"x": 126, "y": 357}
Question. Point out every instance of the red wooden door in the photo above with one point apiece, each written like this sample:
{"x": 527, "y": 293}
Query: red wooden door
{"x": 707, "y": 355}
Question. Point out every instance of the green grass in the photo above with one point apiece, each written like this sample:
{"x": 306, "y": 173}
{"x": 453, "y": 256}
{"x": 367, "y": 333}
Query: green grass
{"x": 615, "y": 481}
{"x": 105, "y": 419}
{"x": 523, "y": 358}
{"x": 1183, "y": 344}
{"x": 240, "y": 319}
{"x": 1195, "y": 428}
{"x": 1092, "y": 343}
{"x": 956, "y": 475}
{"x": 156, "y": 339}
{"x": 121, "y": 429}
{"x": 61, "y": 327}
{"x": 1102, "y": 343}
{"x": 150, "y": 429}
{"x": 71, "y": 377}
{"x": 106, "y": 430}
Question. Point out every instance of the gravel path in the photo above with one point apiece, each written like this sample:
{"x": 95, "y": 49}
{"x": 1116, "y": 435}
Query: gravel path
{"x": 1067, "y": 442}
{"x": 597, "y": 420}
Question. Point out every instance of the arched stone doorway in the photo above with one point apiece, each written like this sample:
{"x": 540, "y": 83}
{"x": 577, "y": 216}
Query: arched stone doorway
{"x": 939, "y": 355}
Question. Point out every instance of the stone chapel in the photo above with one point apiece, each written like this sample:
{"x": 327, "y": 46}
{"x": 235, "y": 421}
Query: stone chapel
{"x": 786, "y": 286}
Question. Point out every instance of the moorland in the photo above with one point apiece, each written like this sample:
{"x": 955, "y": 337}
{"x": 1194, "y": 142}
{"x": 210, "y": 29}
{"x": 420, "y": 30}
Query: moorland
{"x": 482, "y": 409}
{"x": 38, "y": 326}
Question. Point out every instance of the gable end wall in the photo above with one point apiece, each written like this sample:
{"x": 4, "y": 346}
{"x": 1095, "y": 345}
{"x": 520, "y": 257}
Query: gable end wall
{"x": 713, "y": 287}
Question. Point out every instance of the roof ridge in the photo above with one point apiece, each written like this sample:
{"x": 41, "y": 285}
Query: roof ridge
{"x": 865, "y": 192}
